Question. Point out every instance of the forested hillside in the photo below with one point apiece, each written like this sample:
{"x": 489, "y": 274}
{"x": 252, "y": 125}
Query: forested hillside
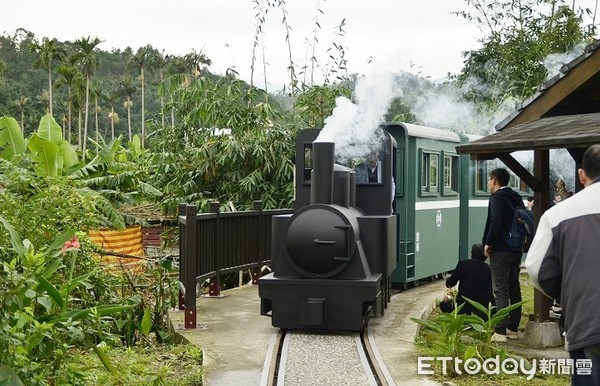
{"x": 115, "y": 82}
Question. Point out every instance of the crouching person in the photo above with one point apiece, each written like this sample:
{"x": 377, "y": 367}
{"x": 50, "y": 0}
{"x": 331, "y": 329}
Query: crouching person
{"x": 474, "y": 279}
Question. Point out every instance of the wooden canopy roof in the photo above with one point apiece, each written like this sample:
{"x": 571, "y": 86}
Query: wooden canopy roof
{"x": 567, "y": 131}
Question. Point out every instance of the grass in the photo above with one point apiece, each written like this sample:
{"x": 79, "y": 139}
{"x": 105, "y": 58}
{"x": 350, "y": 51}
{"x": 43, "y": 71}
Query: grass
{"x": 526, "y": 294}
{"x": 173, "y": 365}
{"x": 425, "y": 344}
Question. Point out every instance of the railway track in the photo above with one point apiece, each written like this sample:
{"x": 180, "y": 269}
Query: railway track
{"x": 331, "y": 358}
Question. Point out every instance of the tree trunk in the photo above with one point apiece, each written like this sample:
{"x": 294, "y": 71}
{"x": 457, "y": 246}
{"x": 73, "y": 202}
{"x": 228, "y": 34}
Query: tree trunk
{"x": 96, "y": 116}
{"x": 79, "y": 130}
{"x": 87, "y": 105}
{"x": 112, "y": 123}
{"x": 50, "y": 88}
{"x": 129, "y": 117}
{"x": 143, "y": 109}
{"x": 172, "y": 113}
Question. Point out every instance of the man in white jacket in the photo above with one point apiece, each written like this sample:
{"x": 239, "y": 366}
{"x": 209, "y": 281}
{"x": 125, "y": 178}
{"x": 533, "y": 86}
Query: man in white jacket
{"x": 564, "y": 262}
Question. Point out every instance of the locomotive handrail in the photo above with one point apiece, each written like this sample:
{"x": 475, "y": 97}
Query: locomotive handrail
{"x": 215, "y": 243}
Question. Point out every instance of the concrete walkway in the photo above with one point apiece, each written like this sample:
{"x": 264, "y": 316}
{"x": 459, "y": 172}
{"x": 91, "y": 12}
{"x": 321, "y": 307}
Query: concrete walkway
{"x": 235, "y": 338}
{"x": 394, "y": 333}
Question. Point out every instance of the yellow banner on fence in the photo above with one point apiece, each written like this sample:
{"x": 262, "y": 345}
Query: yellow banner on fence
{"x": 127, "y": 241}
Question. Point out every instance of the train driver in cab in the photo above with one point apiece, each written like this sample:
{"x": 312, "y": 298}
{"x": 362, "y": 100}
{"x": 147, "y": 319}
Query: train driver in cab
{"x": 369, "y": 172}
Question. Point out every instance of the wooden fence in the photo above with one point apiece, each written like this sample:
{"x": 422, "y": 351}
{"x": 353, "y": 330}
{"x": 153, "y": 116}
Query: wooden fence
{"x": 217, "y": 243}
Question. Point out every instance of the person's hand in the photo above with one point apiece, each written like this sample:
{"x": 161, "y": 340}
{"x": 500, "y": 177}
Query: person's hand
{"x": 487, "y": 250}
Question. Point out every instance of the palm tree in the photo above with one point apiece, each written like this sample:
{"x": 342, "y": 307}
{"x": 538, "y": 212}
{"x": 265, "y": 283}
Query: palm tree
{"x": 71, "y": 78}
{"x": 127, "y": 89}
{"x": 48, "y": 51}
{"x": 140, "y": 61}
{"x": 78, "y": 100}
{"x": 176, "y": 68}
{"x": 21, "y": 103}
{"x": 87, "y": 58}
{"x": 197, "y": 61}
{"x": 159, "y": 61}
{"x": 96, "y": 91}
{"x": 112, "y": 97}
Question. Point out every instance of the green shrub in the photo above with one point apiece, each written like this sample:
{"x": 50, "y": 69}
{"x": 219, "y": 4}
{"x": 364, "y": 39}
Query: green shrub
{"x": 452, "y": 328}
{"x": 40, "y": 320}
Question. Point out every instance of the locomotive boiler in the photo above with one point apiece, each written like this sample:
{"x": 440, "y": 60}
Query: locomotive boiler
{"x": 333, "y": 257}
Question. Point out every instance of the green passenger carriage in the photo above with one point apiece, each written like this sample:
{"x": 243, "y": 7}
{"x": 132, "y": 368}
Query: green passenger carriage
{"x": 441, "y": 209}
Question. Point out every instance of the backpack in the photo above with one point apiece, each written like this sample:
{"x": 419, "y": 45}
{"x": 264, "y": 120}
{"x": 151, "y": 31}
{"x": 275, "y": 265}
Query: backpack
{"x": 520, "y": 234}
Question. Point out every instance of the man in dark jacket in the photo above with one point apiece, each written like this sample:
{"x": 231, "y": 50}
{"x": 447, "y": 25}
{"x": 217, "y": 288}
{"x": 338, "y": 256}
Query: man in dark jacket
{"x": 504, "y": 262}
{"x": 474, "y": 280}
{"x": 564, "y": 263}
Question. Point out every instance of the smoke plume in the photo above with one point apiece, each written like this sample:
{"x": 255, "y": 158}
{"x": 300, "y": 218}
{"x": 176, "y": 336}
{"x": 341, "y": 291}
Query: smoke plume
{"x": 353, "y": 126}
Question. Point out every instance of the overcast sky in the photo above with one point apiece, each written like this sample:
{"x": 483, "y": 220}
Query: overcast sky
{"x": 412, "y": 35}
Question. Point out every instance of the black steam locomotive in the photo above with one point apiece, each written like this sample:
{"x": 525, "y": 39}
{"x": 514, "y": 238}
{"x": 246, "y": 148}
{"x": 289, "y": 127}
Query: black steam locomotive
{"x": 333, "y": 258}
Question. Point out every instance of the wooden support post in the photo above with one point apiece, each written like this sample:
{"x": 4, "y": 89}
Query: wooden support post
{"x": 541, "y": 165}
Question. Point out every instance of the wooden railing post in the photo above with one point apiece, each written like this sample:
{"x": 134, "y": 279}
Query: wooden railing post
{"x": 190, "y": 265}
{"x": 214, "y": 286}
{"x": 181, "y": 212}
{"x": 257, "y": 273}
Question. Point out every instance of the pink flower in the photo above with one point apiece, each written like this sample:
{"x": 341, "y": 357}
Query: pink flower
{"x": 71, "y": 244}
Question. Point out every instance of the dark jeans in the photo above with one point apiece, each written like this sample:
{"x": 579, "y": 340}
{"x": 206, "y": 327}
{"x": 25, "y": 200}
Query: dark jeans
{"x": 593, "y": 353}
{"x": 507, "y": 290}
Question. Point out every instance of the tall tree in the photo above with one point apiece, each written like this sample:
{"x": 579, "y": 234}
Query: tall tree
{"x": 159, "y": 61}
{"x": 70, "y": 77}
{"x": 127, "y": 89}
{"x": 196, "y": 62}
{"x": 96, "y": 90}
{"x": 518, "y": 36}
{"x": 49, "y": 51}
{"x": 21, "y": 103}
{"x": 112, "y": 97}
{"x": 178, "y": 78}
{"x": 140, "y": 61}
{"x": 87, "y": 58}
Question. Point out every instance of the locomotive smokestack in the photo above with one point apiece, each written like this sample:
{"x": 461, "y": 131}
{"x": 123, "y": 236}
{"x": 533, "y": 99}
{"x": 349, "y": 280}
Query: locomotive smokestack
{"x": 321, "y": 177}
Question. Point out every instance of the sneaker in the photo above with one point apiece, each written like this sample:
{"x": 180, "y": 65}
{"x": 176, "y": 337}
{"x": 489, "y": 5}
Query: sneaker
{"x": 510, "y": 334}
{"x": 498, "y": 337}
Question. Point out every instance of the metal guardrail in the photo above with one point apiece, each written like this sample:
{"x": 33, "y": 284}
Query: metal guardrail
{"x": 217, "y": 243}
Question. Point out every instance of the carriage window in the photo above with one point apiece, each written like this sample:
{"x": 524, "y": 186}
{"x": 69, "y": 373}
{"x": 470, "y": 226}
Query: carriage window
{"x": 484, "y": 167}
{"x": 429, "y": 172}
{"x": 450, "y": 173}
{"x": 307, "y": 162}
{"x": 516, "y": 183}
